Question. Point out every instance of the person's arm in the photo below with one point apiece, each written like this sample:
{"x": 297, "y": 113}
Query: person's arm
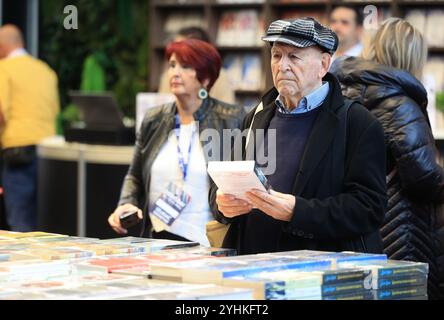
{"x": 358, "y": 210}
{"x": 133, "y": 184}
{"x": 412, "y": 145}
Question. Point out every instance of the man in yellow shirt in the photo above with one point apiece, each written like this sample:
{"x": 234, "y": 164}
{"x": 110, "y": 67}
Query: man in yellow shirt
{"x": 29, "y": 103}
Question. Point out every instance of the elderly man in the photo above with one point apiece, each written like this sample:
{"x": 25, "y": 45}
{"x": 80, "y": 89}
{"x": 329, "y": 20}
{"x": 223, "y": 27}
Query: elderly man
{"x": 328, "y": 189}
{"x": 29, "y": 103}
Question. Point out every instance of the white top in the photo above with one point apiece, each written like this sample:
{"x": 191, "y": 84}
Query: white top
{"x": 17, "y": 53}
{"x": 191, "y": 223}
{"x": 352, "y": 52}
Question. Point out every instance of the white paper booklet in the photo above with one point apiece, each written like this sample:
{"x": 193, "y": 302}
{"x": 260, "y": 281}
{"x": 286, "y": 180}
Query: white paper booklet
{"x": 237, "y": 177}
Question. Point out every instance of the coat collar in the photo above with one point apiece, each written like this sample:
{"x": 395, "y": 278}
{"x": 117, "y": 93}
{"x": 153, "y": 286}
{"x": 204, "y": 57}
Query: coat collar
{"x": 198, "y": 115}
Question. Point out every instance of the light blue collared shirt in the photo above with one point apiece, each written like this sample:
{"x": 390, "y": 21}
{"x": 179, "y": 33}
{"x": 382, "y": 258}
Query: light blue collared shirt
{"x": 307, "y": 103}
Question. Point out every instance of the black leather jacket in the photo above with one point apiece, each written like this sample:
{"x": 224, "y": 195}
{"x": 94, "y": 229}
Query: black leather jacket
{"x": 413, "y": 227}
{"x": 157, "y": 125}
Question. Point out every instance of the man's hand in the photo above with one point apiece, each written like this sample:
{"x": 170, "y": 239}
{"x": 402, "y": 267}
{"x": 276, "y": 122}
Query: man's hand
{"x": 114, "y": 218}
{"x": 277, "y": 205}
{"x": 230, "y": 206}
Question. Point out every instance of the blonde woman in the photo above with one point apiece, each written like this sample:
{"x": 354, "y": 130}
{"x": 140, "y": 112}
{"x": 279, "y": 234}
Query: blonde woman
{"x": 386, "y": 81}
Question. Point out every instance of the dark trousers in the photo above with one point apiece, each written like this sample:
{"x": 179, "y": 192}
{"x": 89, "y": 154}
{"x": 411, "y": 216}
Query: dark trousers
{"x": 20, "y": 194}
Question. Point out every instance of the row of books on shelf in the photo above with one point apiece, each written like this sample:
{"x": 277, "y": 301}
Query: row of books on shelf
{"x": 428, "y": 22}
{"x": 290, "y": 1}
{"x": 433, "y": 81}
{"x": 244, "y": 28}
{"x": 235, "y": 28}
{"x": 217, "y": 1}
{"x": 178, "y": 20}
{"x": 308, "y": 2}
{"x": 240, "y": 1}
{"x": 244, "y": 71}
{"x": 240, "y": 28}
{"x": 40, "y": 265}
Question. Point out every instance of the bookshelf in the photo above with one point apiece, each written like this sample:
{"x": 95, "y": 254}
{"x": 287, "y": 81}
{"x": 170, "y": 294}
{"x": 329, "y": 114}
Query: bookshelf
{"x": 210, "y": 13}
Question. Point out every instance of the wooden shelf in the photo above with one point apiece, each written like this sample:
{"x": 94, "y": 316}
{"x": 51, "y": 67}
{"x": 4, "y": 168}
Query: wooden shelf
{"x": 308, "y": 4}
{"x": 239, "y": 48}
{"x": 240, "y": 5}
{"x": 161, "y": 47}
{"x": 420, "y": 3}
{"x": 242, "y": 92}
{"x": 436, "y": 50}
{"x": 178, "y": 6}
{"x": 363, "y": 3}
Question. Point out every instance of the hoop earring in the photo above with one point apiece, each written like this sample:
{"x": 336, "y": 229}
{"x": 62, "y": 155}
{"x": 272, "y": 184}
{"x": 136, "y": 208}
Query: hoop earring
{"x": 203, "y": 94}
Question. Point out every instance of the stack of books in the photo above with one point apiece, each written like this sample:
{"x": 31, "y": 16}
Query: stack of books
{"x": 352, "y": 276}
{"x": 151, "y": 245}
{"x": 24, "y": 270}
{"x": 40, "y": 265}
{"x": 119, "y": 287}
{"x": 396, "y": 279}
{"x": 216, "y": 270}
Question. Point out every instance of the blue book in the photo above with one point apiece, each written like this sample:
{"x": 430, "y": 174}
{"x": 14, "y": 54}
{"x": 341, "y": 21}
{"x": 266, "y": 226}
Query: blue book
{"x": 338, "y": 258}
{"x": 4, "y": 257}
{"x": 279, "y": 285}
{"x": 400, "y": 282}
{"x": 341, "y": 288}
{"x": 357, "y": 295}
{"x": 216, "y": 271}
{"x": 393, "y": 268}
{"x": 400, "y": 293}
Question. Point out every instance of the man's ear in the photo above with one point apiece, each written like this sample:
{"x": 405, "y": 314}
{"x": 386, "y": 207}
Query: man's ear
{"x": 325, "y": 62}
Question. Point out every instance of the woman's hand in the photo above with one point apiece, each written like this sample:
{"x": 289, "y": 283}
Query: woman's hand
{"x": 114, "y": 218}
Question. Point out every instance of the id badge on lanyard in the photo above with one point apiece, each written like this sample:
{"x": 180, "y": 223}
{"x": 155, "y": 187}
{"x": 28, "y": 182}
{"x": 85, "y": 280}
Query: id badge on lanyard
{"x": 173, "y": 201}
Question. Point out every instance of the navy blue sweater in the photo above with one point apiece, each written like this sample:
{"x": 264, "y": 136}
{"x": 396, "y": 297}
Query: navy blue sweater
{"x": 292, "y": 132}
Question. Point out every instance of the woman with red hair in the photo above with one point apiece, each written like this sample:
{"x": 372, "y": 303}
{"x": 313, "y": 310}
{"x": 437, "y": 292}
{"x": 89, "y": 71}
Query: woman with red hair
{"x": 169, "y": 164}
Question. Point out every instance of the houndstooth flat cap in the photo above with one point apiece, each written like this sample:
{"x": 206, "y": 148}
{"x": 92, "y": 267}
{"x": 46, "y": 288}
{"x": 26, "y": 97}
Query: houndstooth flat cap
{"x": 302, "y": 33}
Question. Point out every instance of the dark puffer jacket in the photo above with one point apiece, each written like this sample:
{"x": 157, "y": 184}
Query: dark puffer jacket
{"x": 413, "y": 227}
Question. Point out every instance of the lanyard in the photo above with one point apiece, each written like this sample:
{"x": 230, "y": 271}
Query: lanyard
{"x": 182, "y": 164}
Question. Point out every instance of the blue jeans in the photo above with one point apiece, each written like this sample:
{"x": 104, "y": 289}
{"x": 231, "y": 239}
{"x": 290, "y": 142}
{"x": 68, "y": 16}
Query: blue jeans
{"x": 20, "y": 192}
